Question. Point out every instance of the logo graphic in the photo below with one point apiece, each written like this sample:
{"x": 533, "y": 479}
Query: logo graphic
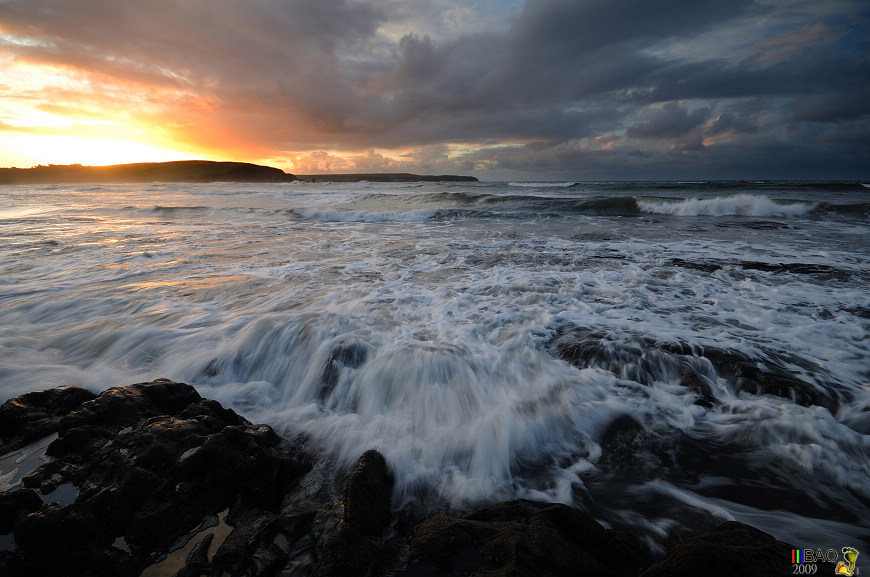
{"x": 804, "y": 561}
{"x": 847, "y": 568}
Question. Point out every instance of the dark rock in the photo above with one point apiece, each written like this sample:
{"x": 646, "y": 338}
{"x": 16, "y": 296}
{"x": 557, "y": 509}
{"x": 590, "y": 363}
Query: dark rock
{"x": 350, "y": 354}
{"x": 355, "y": 547}
{"x": 152, "y": 460}
{"x": 251, "y": 544}
{"x": 699, "y": 385}
{"x": 822, "y": 270}
{"x": 14, "y": 505}
{"x": 729, "y": 549}
{"x": 704, "y": 266}
{"x": 98, "y": 421}
{"x": 795, "y": 268}
{"x": 627, "y": 453}
{"x": 305, "y": 533}
{"x": 645, "y": 361}
{"x": 61, "y": 540}
{"x": 769, "y": 377}
{"x": 32, "y": 416}
{"x": 367, "y": 497}
{"x": 197, "y": 561}
{"x": 522, "y": 538}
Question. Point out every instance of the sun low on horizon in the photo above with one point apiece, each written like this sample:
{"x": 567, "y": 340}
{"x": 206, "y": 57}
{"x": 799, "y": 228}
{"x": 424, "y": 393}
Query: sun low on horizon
{"x": 53, "y": 115}
{"x": 499, "y": 89}
{"x": 56, "y": 113}
{"x": 60, "y": 114}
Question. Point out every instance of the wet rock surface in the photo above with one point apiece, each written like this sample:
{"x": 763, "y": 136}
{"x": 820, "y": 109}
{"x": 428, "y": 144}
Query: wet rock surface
{"x": 150, "y": 462}
{"x": 356, "y": 546}
{"x": 169, "y": 483}
{"x": 34, "y": 415}
{"x": 523, "y": 538}
{"x": 696, "y": 368}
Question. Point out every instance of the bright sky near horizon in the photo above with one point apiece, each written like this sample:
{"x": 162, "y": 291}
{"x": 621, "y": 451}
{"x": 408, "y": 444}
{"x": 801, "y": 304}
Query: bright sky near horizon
{"x": 574, "y": 89}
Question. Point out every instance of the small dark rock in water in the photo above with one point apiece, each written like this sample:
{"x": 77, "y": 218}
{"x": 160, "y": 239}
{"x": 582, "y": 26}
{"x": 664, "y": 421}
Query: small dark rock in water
{"x": 350, "y": 354}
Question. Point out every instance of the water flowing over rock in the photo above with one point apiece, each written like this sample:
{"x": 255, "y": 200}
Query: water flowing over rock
{"x": 644, "y": 361}
{"x": 169, "y": 483}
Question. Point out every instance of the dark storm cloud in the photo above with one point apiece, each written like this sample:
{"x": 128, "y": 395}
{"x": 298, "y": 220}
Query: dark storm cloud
{"x": 730, "y": 122}
{"x": 584, "y": 86}
{"x": 671, "y": 121}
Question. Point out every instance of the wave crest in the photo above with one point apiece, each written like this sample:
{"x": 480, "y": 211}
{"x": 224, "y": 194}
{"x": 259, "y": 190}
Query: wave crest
{"x": 736, "y": 205}
{"x": 544, "y": 184}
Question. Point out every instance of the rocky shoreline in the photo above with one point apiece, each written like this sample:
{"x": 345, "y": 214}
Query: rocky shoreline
{"x": 151, "y": 479}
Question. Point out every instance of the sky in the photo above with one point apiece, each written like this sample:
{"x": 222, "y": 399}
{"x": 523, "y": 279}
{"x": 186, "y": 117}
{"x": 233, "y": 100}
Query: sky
{"x": 502, "y": 90}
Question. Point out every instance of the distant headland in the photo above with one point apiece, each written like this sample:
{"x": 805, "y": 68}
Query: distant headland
{"x": 385, "y": 177}
{"x": 176, "y": 171}
{"x": 200, "y": 171}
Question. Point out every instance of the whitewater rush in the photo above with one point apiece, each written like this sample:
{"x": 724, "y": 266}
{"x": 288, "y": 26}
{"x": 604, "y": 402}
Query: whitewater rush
{"x": 493, "y": 340}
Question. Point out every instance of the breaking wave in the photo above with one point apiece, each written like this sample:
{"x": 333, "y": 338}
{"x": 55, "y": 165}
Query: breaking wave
{"x": 737, "y": 205}
{"x": 544, "y": 184}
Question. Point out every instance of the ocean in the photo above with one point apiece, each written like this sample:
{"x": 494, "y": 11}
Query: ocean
{"x": 662, "y": 355}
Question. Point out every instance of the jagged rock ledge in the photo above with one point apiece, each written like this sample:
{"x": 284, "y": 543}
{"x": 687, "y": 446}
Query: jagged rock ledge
{"x": 152, "y": 479}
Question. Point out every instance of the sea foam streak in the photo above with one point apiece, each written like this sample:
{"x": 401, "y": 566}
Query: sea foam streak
{"x": 544, "y": 184}
{"x": 432, "y": 323}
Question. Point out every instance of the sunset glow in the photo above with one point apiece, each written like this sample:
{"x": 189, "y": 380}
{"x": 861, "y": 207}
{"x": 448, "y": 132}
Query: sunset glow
{"x": 431, "y": 287}
{"x": 509, "y": 89}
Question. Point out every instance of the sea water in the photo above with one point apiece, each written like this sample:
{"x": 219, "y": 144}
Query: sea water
{"x": 428, "y": 321}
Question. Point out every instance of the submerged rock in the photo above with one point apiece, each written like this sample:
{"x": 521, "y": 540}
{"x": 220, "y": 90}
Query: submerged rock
{"x": 696, "y": 368}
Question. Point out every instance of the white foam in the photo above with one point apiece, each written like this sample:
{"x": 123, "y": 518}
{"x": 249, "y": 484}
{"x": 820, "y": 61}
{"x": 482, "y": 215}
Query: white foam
{"x": 457, "y": 387}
